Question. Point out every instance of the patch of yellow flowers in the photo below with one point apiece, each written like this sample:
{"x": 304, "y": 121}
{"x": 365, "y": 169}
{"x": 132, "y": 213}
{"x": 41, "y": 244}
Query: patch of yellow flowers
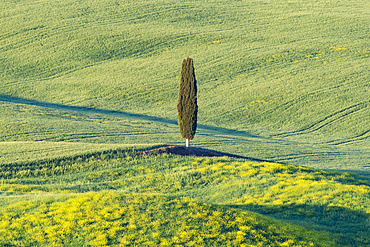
{"x": 155, "y": 217}
{"x": 117, "y": 219}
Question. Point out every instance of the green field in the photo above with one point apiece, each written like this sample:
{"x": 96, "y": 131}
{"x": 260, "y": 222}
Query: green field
{"x": 278, "y": 81}
{"x": 115, "y": 199}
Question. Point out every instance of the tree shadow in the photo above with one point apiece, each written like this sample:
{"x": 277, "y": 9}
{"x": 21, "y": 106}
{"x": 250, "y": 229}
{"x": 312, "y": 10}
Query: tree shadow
{"x": 350, "y": 226}
{"x": 81, "y": 109}
{"x": 193, "y": 151}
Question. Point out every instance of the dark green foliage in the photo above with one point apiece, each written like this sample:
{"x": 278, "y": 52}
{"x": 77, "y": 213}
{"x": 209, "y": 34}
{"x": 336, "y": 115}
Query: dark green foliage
{"x": 187, "y": 107}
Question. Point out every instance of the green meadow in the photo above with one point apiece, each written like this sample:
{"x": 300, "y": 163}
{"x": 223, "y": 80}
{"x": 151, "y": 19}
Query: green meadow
{"x": 84, "y": 85}
{"x": 117, "y": 199}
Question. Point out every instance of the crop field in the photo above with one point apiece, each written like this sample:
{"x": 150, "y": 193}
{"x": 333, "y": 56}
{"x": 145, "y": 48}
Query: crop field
{"x": 270, "y": 74}
{"x": 86, "y": 84}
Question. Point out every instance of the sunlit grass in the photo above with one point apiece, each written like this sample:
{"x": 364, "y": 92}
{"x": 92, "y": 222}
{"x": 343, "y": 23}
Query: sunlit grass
{"x": 330, "y": 202}
{"x": 300, "y": 78}
{"x": 291, "y": 77}
{"x": 120, "y": 56}
{"x": 118, "y": 219}
{"x": 18, "y": 152}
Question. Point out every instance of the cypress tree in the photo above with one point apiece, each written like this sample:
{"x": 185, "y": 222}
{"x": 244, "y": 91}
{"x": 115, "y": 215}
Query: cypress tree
{"x": 187, "y": 107}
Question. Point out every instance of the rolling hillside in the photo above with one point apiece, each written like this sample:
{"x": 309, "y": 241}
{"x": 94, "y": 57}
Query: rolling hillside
{"x": 84, "y": 85}
{"x": 279, "y": 73}
{"x": 118, "y": 199}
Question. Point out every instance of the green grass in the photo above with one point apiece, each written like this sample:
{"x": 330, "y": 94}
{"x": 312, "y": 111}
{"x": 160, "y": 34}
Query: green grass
{"x": 111, "y": 198}
{"x": 120, "y": 219}
{"x": 290, "y": 72}
{"x": 82, "y": 83}
{"x": 30, "y": 132}
{"x": 20, "y": 152}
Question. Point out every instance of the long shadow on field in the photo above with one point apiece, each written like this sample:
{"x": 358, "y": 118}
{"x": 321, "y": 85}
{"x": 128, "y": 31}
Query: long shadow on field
{"x": 193, "y": 151}
{"x": 351, "y": 226}
{"x": 16, "y": 100}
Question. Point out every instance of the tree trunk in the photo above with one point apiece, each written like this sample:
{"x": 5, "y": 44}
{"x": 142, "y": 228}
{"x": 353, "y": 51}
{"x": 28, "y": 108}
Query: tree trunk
{"x": 187, "y": 143}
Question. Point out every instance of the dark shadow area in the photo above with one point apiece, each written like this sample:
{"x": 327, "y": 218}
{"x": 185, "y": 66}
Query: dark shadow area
{"x": 10, "y": 99}
{"x": 350, "y": 226}
{"x": 193, "y": 151}
{"x": 11, "y": 170}
{"x": 218, "y": 135}
{"x": 361, "y": 177}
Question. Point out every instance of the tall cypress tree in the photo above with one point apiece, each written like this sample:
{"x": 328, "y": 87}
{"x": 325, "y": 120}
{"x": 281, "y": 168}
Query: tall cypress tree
{"x": 187, "y": 107}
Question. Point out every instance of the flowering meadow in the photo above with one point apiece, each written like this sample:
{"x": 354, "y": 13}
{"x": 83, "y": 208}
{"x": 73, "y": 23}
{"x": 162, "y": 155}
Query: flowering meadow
{"x": 168, "y": 200}
{"x": 85, "y": 85}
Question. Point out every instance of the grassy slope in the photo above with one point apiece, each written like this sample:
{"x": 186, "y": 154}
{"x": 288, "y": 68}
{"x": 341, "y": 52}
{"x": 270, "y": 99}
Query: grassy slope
{"x": 290, "y": 78}
{"x": 172, "y": 199}
{"x": 294, "y": 73}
